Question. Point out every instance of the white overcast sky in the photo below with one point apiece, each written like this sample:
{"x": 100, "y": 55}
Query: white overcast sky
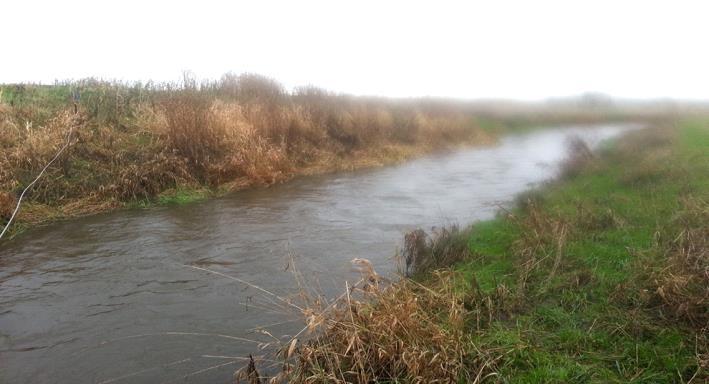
{"x": 468, "y": 49}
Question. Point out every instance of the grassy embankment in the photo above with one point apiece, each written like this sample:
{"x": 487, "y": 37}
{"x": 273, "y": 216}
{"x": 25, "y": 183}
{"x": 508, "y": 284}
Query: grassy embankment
{"x": 136, "y": 144}
{"x": 599, "y": 277}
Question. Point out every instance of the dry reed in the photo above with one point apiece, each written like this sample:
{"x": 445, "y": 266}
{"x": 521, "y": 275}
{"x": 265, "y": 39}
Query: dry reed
{"x": 135, "y": 142}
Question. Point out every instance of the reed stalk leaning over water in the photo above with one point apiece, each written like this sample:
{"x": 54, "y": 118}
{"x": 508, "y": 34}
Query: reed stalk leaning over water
{"x": 66, "y": 145}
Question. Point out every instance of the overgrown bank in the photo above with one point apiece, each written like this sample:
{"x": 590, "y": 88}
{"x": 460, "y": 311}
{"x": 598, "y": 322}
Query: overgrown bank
{"x": 602, "y": 276}
{"x": 138, "y": 144}
{"x": 134, "y": 144}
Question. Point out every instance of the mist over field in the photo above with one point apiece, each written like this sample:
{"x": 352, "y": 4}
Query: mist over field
{"x": 321, "y": 192}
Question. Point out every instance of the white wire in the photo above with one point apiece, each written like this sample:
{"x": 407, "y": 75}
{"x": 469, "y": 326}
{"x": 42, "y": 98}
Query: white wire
{"x": 19, "y": 201}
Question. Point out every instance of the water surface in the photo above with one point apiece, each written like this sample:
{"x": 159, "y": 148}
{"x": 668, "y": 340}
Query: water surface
{"x": 108, "y": 299}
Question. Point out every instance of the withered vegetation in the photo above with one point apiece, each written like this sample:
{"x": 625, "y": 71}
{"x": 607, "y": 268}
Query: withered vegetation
{"x": 136, "y": 144}
{"x": 601, "y": 276}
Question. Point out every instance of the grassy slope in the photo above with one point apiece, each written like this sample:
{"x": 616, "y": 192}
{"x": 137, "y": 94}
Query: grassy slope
{"x": 585, "y": 321}
{"x": 599, "y": 277}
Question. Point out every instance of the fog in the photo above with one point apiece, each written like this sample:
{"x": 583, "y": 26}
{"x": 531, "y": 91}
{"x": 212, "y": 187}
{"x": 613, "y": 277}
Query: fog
{"x": 503, "y": 49}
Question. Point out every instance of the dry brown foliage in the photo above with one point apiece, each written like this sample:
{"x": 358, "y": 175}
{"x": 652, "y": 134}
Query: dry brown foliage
{"x": 540, "y": 246}
{"x": 681, "y": 283}
{"x": 444, "y": 247}
{"x": 401, "y": 332}
{"x": 137, "y": 143}
{"x": 647, "y": 157}
{"x": 193, "y": 132}
{"x": 7, "y": 205}
{"x": 590, "y": 218}
{"x": 579, "y": 157}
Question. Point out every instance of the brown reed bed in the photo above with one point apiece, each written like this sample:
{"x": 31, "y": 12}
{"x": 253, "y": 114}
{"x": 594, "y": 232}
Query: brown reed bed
{"x": 139, "y": 143}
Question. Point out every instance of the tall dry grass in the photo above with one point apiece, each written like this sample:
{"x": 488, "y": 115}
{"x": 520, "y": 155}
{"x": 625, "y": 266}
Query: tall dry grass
{"x": 137, "y": 141}
{"x": 134, "y": 142}
{"x": 423, "y": 252}
{"x": 445, "y": 328}
{"x": 680, "y": 284}
{"x": 382, "y": 332}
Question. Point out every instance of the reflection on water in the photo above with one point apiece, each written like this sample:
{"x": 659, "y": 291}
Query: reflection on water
{"x": 108, "y": 298}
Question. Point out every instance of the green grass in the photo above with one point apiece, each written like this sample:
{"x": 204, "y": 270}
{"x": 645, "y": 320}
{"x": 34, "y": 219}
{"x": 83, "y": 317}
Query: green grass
{"x": 183, "y": 196}
{"x": 599, "y": 277}
{"x": 179, "y": 196}
{"x": 586, "y": 322}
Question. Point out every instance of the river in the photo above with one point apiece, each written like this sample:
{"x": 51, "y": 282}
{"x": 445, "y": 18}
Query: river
{"x": 110, "y": 298}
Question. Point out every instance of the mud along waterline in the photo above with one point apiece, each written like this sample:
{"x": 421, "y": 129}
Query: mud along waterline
{"x": 109, "y": 298}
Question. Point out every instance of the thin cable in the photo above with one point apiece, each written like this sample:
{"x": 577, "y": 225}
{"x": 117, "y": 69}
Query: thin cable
{"x": 19, "y": 201}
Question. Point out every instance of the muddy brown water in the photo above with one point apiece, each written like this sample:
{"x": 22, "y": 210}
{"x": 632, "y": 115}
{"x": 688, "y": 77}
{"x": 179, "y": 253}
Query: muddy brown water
{"x": 108, "y": 298}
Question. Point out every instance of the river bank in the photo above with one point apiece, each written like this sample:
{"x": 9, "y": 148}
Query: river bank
{"x": 133, "y": 145}
{"x": 598, "y": 277}
{"x": 118, "y": 294}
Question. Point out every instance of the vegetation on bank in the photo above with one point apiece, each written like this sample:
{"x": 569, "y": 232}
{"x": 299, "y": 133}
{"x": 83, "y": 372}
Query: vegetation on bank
{"x": 599, "y": 277}
{"x": 138, "y": 144}
{"x": 134, "y": 145}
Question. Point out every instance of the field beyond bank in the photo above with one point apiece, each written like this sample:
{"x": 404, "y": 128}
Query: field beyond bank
{"x": 599, "y": 277}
